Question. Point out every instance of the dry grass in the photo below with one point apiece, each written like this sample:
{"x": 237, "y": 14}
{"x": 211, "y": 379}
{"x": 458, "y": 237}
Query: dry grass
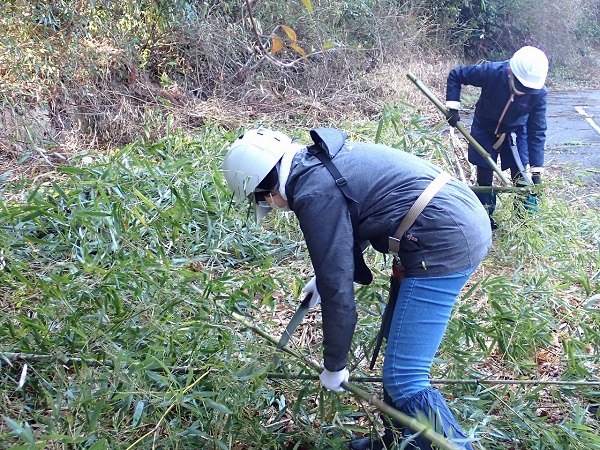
{"x": 105, "y": 89}
{"x": 81, "y": 121}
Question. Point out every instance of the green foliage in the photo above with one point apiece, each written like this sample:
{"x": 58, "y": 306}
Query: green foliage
{"x": 494, "y": 29}
{"x": 117, "y": 279}
{"x": 99, "y": 263}
{"x": 404, "y": 128}
{"x": 47, "y": 45}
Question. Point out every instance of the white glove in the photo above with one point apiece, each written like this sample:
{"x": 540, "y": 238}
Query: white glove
{"x": 333, "y": 380}
{"x": 311, "y": 288}
{"x": 452, "y": 105}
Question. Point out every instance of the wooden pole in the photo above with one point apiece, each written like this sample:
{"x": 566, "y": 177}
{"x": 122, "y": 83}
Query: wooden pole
{"x": 475, "y": 381}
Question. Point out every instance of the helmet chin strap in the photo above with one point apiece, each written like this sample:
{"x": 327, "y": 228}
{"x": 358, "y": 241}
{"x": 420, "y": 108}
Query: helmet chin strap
{"x": 511, "y": 83}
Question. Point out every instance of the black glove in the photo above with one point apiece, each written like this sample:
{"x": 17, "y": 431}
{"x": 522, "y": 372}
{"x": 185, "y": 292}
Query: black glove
{"x": 453, "y": 117}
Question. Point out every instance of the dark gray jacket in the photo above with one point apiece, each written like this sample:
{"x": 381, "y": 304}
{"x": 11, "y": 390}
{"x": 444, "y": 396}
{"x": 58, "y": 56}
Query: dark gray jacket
{"x": 451, "y": 234}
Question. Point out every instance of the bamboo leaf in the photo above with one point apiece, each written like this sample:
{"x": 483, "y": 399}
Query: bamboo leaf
{"x": 99, "y": 444}
{"x": 145, "y": 199}
{"x": 58, "y": 189}
{"x": 593, "y": 303}
{"x": 96, "y": 413}
{"x": 137, "y": 414}
{"x": 218, "y": 406}
{"x": 23, "y": 431}
{"x": 308, "y": 5}
{"x": 298, "y": 49}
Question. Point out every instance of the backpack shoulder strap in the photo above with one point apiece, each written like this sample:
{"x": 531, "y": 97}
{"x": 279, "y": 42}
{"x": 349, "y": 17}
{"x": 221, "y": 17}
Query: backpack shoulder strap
{"x": 362, "y": 274}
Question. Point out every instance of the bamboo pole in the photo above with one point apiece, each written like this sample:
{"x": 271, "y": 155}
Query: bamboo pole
{"x": 499, "y": 188}
{"x": 485, "y": 155}
{"x": 475, "y": 381}
{"x": 415, "y": 425}
{"x": 72, "y": 360}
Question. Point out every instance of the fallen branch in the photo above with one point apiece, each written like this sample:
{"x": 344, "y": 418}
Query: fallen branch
{"x": 499, "y": 189}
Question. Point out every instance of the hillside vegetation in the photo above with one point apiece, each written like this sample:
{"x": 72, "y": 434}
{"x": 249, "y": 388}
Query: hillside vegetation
{"x": 125, "y": 265}
{"x": 81, "y": 74}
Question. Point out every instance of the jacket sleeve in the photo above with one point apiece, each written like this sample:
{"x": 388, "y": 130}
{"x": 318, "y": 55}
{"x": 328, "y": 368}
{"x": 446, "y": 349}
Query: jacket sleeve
{"x": 474, "y": 75}
{"x": 536, "y": 133}
{"x": 327, "y": 227}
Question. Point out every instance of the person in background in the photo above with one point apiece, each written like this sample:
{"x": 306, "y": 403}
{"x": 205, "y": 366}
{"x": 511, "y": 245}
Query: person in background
{"x": 439, "y": 252}
{"x": 509, "y": 119}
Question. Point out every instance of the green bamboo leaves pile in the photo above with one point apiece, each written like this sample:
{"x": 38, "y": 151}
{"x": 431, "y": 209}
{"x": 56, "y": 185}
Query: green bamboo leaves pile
{"x": 111, "y": 277}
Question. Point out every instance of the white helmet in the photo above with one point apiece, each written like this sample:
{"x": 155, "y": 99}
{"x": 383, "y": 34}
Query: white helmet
{"x": 530, "y": 66}
{"x": 250, "y": 159}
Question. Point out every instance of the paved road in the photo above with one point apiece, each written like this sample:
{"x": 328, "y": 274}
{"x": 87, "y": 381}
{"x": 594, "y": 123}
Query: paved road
{"x": 573, "y": 140}
{"x": 573, "y": 135}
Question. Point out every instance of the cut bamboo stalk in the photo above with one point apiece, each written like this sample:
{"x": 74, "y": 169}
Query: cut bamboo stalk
{"x": 485, "y": 155}
{"x": 415, "y": 425}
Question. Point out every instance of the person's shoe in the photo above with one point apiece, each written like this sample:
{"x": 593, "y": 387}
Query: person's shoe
{"x": 493, "y": 224}
{"x": 368, "y": 443}
{"x": 530, "y": 203}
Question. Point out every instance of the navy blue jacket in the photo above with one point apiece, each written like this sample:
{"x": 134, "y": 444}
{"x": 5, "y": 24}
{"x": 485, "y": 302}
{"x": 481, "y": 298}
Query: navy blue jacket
{"x": 451, "y": 234}
{"x": 526, "y": 115}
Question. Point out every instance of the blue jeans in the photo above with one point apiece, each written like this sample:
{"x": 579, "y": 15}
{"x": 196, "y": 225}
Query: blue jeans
{"x": 420, "y": 318}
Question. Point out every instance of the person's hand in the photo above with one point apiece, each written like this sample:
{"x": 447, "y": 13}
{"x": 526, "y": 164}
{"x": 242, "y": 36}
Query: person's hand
{"x": 311, "y": 288}
{"x": 453, "y": 117}
{"x": 333, "y": 380}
